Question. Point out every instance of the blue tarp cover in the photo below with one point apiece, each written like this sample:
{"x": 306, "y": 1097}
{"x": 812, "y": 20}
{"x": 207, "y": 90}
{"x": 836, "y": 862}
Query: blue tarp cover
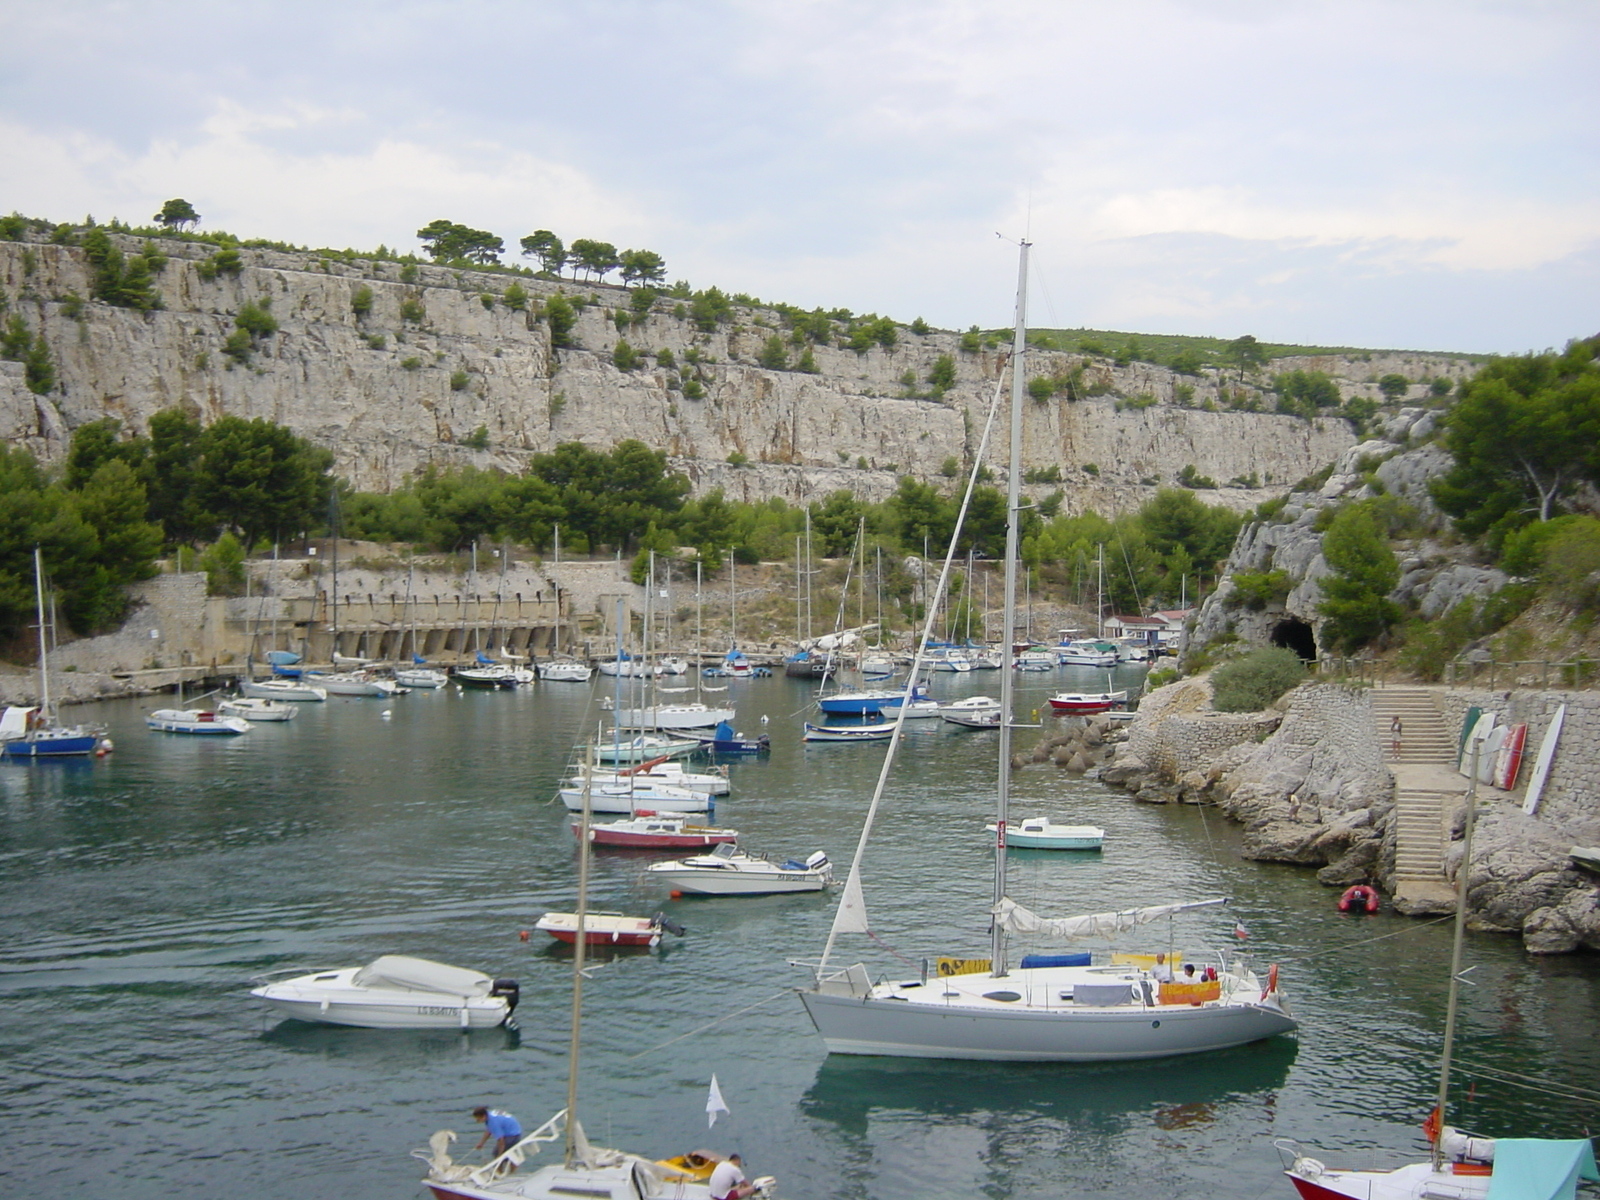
{"x": 1540, "y": 1168}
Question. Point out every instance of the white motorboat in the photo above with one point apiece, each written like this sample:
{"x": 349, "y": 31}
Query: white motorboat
{"x": 1054, "y": 1008}
{"x": 252, "y": 708}
{"x": 194, "y": 720}
{"x": 1091, "y": 652}
{"x": 1041, "y": 833}
{"x": 294, "y": 691}
{"x": 1036, "y": 660}
{"x": 730, "y": 871}
{"x": 976, "y": 712}
{"x": 633, "y": 797}
{"x": 947, "y": 658}
{"x": 564, "y": 670}
{"x": 394, "y": 992}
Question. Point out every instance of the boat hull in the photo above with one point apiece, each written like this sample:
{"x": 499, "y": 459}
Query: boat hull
{"x": 204, "y": 724}
{"x": 991, "y": 1031}
{"x": 714, "y": 882}
{"x": 74, "y": 745}
{"x": 411, "y": 1014}
{"x": 269, "y": 689}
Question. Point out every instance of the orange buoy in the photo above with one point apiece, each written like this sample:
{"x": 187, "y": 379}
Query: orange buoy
{"x": 522, "y": 935}
{"x": 675, "y": 894}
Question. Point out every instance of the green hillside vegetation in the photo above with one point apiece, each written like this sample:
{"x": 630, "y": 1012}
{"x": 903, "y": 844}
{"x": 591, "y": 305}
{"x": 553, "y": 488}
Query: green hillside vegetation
{"x": 589, "y": 260}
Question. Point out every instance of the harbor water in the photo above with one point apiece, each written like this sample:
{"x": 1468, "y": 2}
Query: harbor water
{"x": 140, "y": 893}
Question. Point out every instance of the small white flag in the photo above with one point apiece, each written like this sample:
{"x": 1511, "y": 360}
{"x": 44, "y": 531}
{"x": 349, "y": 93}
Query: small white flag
{"x": 715, "y": 1104}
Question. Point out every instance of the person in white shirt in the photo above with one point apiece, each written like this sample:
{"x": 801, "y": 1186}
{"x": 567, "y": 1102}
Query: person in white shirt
{"x": 727, "y": 1179}
{"x": 1161, "y": 972}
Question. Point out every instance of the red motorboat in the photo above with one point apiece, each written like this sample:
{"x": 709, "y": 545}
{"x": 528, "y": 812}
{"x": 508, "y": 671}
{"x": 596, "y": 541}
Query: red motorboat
{"x": 656, "y": 831}
{"x": 1361, "y": 898}
{"x": 1087, "y": 702}
{"x": 608, "y": 929}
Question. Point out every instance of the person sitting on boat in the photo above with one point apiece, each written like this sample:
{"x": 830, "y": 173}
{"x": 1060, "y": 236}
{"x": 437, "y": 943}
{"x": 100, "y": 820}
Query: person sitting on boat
{"x": 500, "y": 1125}
{"x": 1189, "y": 975}
{"x": 727, "y": 1179}
{"x": 1162, "y": 971}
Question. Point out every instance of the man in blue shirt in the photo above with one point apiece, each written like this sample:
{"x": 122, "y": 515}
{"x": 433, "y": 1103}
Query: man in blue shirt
{"x": 501, "y": 1126}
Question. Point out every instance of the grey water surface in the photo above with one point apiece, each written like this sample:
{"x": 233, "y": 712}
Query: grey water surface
{"x": 140, "y": 893}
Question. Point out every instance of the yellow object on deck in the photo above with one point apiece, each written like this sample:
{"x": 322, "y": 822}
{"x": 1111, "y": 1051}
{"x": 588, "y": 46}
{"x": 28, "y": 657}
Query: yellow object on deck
{"x": 961, "y": 966}
{"x": 1191, "y": 993}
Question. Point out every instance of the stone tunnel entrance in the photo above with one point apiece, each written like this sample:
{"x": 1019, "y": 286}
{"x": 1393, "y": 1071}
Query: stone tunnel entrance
{"x": 1294, "y": 634}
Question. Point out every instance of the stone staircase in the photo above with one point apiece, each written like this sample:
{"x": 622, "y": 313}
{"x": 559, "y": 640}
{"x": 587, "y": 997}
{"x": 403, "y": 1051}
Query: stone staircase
{"x": 1426, "y": 787}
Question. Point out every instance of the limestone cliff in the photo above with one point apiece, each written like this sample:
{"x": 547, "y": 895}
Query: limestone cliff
{"x": 439, "y": 355}
{"x": 1436, "y": 571}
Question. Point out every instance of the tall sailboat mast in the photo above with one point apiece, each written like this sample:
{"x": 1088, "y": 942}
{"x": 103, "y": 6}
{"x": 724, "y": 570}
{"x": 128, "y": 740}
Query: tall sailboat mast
{"x": 1019, "y": 348}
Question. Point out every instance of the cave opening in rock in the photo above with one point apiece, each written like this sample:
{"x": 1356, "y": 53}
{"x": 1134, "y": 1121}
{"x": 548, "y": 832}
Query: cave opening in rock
{"x": 1294, "y": 634}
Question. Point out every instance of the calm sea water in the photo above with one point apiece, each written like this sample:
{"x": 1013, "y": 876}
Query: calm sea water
{"x": 140, "y": 894}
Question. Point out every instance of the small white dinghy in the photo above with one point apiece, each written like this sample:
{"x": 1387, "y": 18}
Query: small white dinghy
{"x": 730, "y": 871}
{"x": 252, "y": 708}
{"x": 394, "y": 992}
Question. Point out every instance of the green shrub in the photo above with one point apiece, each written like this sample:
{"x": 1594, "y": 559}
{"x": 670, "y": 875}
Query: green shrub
{"x": 478, "y": 439}
{"x": 223, "y": 563}
{"x": 1571, "y": 572}
{"x": 1258, "y": 589}
{"x": 361, "y": 301}
{"x": 516, "y": 298}
{"x": 459, "y": 381}
{"x": 412, "y": 310}
{"x": 411, "y": 364}
{"x": 624, "y": 357}
{"x": 1254, "y": 682}
{"x": 1523, "y": 551}
{"x": 256, "y": 318}
{"x": 376, "y": 341}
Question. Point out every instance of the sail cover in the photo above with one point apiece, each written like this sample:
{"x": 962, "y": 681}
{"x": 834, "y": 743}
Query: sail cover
{"x": 1539, "y": 1169}
{"x": 1014, "y": 918}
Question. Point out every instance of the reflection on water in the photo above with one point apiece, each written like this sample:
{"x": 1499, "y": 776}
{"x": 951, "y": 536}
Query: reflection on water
{"x": 374, "y": 1047}
{"x": 848, "y": 1090}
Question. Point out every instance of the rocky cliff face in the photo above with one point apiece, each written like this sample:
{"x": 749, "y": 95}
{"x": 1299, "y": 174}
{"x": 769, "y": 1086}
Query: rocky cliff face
{"x": 439, "y": 355}
{"x": 1435, "y": 572}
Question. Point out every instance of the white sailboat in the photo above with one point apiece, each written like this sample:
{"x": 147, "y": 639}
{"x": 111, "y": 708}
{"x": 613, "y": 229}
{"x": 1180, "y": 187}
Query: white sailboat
{"x": 1059, "y": 1008}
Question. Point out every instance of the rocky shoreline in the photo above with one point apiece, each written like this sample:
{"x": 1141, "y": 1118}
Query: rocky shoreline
{"x": 1308, "y": 782}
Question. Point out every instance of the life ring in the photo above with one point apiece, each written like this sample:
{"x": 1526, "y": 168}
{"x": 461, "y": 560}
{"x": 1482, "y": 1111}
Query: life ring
{"x": 1272, "y": 981}
{"x": 1360, "y": 898}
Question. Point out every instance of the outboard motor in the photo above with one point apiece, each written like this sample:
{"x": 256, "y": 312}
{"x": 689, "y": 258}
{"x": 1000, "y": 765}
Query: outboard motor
{"x": 511, "y": 990}
{"x": 817, "y": 861}
{"x": 662, "y": 921}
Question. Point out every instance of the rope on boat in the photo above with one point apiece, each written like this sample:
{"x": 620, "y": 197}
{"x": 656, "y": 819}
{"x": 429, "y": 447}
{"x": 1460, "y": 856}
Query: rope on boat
{"x": 712, "y": 1024}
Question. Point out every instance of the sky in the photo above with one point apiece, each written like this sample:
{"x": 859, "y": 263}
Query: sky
{"x": 1416, "y": 174}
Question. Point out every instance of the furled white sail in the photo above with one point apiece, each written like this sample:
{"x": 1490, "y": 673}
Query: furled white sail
{"x": 1016, "y": 919}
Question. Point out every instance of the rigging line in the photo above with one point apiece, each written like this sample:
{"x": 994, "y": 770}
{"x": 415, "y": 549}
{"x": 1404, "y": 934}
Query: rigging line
{"x": 1565, "y": 1091}
{"x": 915, "y": 673}
{"x": 712, "y": 1024}
{"x": 1049, "y": 301}
{"x": 1382, "y": 937}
